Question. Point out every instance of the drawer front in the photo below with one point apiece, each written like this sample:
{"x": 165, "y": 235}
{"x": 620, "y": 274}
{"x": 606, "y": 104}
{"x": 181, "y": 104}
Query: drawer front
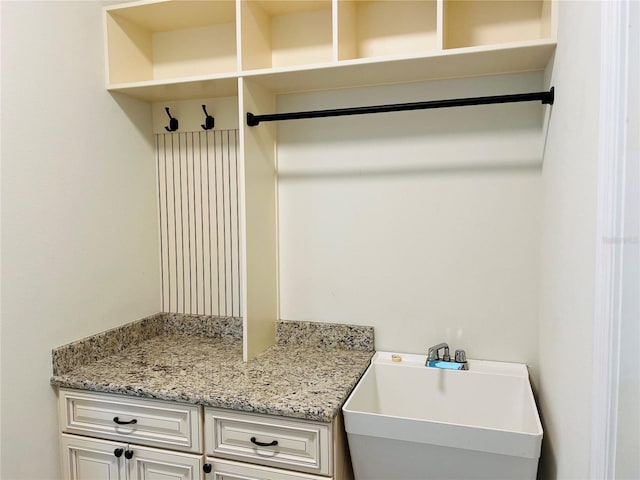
{"x": 268, "y": 440}
{"x": 145, "y": 422}
{"x": 229, "y": 470}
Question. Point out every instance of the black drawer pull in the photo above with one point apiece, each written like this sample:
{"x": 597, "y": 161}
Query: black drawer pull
{"x": 118, "y": 452}
{"x": 128, "y": 454}
{"x": 120, "y": 422}
{"x": 262, "y": 444}
{"x": 207, "y": 468}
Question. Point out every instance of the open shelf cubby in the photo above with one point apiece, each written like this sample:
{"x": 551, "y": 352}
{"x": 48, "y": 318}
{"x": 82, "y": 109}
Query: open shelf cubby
{"x": 161, "y": 40}
{"x": 472, "y": 23}
{"x": 372, "y": 28}
{"x": 286, "y": 33}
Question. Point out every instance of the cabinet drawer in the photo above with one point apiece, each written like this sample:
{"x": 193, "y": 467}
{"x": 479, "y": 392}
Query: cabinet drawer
{"x": 228, "y": 470}
{"x": 267, "y": 440}
{"x": 142, "y": 421}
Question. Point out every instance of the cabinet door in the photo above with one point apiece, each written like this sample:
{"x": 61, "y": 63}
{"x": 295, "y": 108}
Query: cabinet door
{"x": 90, "y": 459}
{"x": 155, "y": 464}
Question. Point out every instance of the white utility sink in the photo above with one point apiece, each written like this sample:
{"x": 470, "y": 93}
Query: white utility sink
{"x": 408, "y": 421}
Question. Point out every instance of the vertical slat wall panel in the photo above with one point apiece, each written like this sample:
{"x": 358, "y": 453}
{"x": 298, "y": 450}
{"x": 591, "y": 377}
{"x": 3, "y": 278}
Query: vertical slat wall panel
{"x": 199, "y": 222}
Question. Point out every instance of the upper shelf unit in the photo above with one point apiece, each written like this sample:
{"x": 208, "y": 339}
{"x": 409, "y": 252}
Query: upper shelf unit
{"x": 183, "y": 49}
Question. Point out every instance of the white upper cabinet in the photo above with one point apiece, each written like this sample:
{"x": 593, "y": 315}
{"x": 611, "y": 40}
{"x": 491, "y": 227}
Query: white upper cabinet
{"x": 184, "y": 49}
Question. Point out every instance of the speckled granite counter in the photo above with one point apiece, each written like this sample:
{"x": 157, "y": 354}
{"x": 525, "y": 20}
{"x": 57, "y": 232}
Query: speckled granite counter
{"x": 308, "y": 373}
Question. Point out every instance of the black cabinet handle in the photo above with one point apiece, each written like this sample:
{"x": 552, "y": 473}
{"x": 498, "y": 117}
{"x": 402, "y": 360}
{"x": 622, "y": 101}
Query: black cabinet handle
{"x": 120, "y": 422}
{"x": 262, "y": 444}
{"x": 118, "y": 452}
{"x": 207, "y": 468}
{"x": 128, "y": 454}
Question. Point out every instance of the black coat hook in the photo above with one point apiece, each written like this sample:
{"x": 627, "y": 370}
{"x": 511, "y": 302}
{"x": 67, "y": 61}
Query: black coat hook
{"x": 173, "y": 122}
{"x": 209, "y": 121}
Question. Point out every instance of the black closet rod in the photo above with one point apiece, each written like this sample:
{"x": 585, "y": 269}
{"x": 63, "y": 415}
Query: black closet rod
{"x": 544, "y": 97}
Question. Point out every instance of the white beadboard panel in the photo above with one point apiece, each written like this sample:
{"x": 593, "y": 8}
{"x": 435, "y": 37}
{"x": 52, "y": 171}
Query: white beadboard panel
{"x": 199, "y": 222}
{"x": 424, "y": 224}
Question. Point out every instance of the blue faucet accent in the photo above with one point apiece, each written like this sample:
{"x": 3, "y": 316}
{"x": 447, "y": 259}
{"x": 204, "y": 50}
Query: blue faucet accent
{"x": 446, "y": 365}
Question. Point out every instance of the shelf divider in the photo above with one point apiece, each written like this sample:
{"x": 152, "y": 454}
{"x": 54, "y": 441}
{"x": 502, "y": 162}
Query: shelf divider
{"x": 258, "y": 207}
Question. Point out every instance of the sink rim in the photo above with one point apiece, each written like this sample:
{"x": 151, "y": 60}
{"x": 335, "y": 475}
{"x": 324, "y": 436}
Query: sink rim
{"x": 485, "y": 367}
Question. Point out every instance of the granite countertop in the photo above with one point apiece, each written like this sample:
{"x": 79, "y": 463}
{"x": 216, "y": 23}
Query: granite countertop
{"x": 307, "y": 374}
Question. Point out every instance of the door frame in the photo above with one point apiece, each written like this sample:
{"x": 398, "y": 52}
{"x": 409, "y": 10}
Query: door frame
{"x": 615, "y": 190}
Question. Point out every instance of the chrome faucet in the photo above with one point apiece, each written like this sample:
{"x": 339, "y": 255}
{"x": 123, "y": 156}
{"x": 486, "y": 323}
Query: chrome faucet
{"x": 433, "y": 358}
{"x": 434, "y": 355}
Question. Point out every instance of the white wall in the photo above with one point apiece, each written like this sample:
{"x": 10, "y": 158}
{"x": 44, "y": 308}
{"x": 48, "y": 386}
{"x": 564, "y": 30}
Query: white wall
{"x": 79, "y": 219}
{"x": 423, "y": 224}
{"x": 569, "y": 189}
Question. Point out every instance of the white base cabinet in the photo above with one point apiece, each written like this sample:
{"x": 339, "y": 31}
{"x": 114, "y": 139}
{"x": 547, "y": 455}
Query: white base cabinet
{"x": 116, "y": 437}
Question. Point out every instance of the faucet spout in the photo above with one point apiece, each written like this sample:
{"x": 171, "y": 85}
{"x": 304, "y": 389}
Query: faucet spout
{"x": 434, "y": 355}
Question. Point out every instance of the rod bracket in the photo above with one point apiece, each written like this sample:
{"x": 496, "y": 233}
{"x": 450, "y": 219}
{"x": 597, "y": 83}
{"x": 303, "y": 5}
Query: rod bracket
{"x": 252, "y": 121}
{"x": 550, "y": 97}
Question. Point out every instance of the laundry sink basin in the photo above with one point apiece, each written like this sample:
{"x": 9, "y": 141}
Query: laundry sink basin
{"x": 408, "y": 421}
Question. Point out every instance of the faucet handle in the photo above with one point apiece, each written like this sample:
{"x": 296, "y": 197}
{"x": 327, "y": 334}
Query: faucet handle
{"x": 460, "y": 356}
